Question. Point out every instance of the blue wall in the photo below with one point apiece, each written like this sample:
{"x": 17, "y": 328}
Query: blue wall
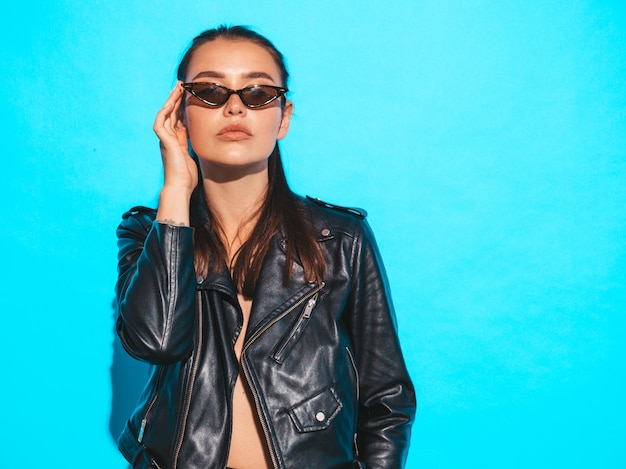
{"x": 486, "y": 139}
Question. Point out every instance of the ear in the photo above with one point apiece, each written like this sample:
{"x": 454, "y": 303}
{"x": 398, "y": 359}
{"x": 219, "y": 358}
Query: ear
{"x": 286, "y": 119}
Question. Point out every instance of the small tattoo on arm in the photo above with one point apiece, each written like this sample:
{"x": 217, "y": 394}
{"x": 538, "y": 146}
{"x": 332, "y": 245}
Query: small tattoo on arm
{"x": 169, "y": 221}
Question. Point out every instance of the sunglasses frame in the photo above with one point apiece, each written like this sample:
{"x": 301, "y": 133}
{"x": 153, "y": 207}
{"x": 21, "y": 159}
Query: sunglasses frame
{"x": 189, "y": 88}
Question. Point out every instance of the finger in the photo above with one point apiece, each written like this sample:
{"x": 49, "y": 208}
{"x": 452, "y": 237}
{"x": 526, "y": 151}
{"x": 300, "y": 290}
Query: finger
{"x": 166, "y": 120}
{"x": 176, "y": 121}
{"x": 165, "y": 109}
{"x": 176, "y": 98}
{"x": 160, "y": 121}
{"x": 163, "y": 120}
{"x": 174, "y": 93}
{"x": 171, "y": 99}
{"x": 177, "y": 104}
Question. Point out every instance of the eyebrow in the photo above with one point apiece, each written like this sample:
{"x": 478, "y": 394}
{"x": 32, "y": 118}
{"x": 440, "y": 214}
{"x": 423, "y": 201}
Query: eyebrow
{"x": 213, "y": 74}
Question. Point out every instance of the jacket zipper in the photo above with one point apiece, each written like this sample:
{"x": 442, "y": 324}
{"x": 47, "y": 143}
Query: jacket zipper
{"x": 261, "y": 420}
{"x": 144, "y": 421}
{"x": 246, "y": 372}
{"x": 306, "y": 314}
{"x": 284, "y": 313}
{"x": 192, "y": 379}
{"x": 232, "y": 393}
{"x": 358, "y": 392}
{"x": 356, "y": 372}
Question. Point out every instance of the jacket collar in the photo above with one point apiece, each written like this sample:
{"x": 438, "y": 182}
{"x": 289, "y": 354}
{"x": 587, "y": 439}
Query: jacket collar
{"x": 271, "y": 298}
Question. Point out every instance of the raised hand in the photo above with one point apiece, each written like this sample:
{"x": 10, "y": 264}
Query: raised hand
{"x": 180, "y": 170}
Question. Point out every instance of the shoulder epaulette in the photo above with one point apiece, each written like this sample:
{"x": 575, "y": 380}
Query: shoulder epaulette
{"x": 137, "y": 209}
{"x": 359, "y": 212}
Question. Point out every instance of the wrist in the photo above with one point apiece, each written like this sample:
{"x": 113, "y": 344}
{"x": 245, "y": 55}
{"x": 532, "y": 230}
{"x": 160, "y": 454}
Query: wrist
{"x": 176, "y": 191}
{"x": 174, "y": 206}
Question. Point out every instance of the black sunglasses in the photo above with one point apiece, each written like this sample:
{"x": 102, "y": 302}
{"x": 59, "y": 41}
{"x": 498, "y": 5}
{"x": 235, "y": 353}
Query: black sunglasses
{"x": 252, "y": 96}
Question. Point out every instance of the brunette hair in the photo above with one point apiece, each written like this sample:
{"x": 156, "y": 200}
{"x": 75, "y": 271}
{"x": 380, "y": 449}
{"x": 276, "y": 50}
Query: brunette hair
{"x": 281, "y": 212}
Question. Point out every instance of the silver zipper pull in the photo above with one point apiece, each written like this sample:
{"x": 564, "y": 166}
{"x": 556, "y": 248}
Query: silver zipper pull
{"x": 142, "y": 429}
{"x": 309, "y": 306}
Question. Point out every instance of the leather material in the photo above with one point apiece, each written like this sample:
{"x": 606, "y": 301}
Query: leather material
{"x": 323, "y": 360}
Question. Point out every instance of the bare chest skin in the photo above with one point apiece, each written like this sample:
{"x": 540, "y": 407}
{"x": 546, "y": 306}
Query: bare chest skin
{"x": 247, "y": 448}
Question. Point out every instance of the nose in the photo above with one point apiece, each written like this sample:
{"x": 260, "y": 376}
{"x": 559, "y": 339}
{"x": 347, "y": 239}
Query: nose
{"x": 234, "y": 106}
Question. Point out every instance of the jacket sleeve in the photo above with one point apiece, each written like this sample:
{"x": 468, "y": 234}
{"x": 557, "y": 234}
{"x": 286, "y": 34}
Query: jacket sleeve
{"x": 155, "y": 289}
{"x": 387, "y": 397}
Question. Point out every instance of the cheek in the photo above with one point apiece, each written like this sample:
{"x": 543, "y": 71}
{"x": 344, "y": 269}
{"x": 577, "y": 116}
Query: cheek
{"x": 197, "y": 122}
{"x": 271, "y": 125}
{"x": 201, "y": 124}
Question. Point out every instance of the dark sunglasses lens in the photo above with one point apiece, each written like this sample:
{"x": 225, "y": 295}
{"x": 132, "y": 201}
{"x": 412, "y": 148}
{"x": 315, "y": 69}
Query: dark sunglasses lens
{"x": 258, "y": 95}
{"x": 216, "y": 95}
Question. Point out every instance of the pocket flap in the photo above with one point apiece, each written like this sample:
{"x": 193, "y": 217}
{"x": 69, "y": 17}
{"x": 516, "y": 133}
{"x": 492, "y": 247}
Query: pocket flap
{"x": 317, "y": 412}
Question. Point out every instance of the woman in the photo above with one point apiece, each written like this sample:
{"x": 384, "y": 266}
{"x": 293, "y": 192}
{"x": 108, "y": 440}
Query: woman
{"x": 266, "y": 316}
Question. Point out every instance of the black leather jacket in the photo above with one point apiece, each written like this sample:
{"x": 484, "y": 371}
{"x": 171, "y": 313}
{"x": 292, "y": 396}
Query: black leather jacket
{"x": 323, "y": 361}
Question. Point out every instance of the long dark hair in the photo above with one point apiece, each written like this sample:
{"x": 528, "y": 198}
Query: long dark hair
{"x": 281, "y": 212}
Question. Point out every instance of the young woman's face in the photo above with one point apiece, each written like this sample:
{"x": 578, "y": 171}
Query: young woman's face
{"x": 234, "y": 135}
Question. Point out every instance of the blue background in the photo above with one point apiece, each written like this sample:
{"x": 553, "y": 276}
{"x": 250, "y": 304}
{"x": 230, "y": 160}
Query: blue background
{"x": 487, "y": 140}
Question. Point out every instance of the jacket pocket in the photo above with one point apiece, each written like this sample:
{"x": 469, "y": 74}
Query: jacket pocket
{"x": 291, "y": 338}
{"x": 317, "y": 412}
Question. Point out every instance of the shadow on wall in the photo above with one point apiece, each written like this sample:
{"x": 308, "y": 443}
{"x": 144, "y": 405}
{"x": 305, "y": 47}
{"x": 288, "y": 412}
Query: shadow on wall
{"x": 128, "y": 377}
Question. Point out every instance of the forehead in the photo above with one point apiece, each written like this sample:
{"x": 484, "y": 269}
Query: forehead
{"x": 233, "y": 59}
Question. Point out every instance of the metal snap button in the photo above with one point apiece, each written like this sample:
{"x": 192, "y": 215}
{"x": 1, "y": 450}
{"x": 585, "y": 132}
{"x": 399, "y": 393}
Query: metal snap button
{"x": 325, "y": 232}
{"x": 320, "y": 417}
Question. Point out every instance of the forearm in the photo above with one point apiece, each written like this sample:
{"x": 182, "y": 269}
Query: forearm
{"x": 174, "y": 206}
{"x": 156, "y": 293}
{"x": 384, "y": 431}
{"x": 387, "y": 404}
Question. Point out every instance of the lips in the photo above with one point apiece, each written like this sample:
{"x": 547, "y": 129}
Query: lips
{"x": 233, "y": 132}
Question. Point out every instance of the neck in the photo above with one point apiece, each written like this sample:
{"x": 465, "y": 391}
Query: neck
{"x": 235, "y": 195}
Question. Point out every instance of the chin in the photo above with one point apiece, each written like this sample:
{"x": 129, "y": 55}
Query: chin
{"x": 233, "y": 163}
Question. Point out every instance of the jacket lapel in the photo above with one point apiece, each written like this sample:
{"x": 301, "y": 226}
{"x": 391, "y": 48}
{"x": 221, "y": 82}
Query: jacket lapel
{"x": 271, "y": 298}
